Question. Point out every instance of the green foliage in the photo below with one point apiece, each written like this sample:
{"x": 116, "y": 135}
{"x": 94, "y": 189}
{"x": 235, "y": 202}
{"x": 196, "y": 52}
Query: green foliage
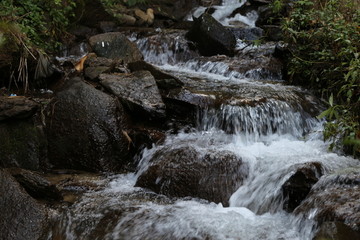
{"x": 324, "y": 37}
{"x": 42, "y": 21}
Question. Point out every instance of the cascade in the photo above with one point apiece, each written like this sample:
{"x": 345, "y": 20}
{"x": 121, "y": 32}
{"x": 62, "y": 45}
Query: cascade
{"x": 269, "y": 130}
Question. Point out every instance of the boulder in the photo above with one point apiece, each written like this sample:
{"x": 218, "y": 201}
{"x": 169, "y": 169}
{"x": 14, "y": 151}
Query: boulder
{"x": 115, "y": 45}
{"x": 248, "y": 34}
{"x": 184, "y": 171}
{"x": 86, "y": 128}
{"x": 22, "y": 217}
{"x": 163, "y": 80}
{"x": 138, "y": 91}
{"x": 297, "y": 187}
{"x": 336, "y": 200}
{"x": 18, "y": 107}
{"x": 23, "y": 144}
{"x": 35, "y": 185}
{"x": 211, "y": 37}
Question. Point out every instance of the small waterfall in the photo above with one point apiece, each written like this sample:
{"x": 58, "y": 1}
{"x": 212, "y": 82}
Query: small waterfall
{"x": 254, "y": 122}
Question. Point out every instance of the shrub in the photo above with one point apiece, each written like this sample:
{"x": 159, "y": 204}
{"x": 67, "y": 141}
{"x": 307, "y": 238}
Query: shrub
{"x": 324, "y": 40}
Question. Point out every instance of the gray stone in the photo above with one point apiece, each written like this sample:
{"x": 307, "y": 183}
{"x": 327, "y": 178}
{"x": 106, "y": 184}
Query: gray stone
{"x": 21, "y": 218}
{"x": 115, "y": 45}
{"x": 211, "y": 37}
{"x": 17, "y": 107}
{"x": 184, "y": 171}
{"x": 86, "y": 128}
{"x": 138, "y": 91}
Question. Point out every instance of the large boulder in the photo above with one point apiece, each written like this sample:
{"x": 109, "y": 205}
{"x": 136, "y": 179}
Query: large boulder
{"x": 184, "y": 171}
{"x": 298, "y": 186}
{"x": 23, "y": 143}
{"x": 21, "y": 218}
{"x": 138, "y": 91}
{"x": 334, "y": 203}
{"x": 115, "y": 45}
{"x": 211, "y": 37}
{"x": 86, "y": 129}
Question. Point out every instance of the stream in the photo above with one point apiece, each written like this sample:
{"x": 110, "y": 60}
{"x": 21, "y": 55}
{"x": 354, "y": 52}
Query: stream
{"x": 252, "y": 113}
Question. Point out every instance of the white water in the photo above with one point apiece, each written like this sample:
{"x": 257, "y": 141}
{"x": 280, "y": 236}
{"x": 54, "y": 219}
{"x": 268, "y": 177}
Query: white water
{"x": 222, "y": 13}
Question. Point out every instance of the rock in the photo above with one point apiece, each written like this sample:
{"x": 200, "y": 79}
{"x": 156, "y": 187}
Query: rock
{"x": 107, "y": 26}
{"x": 23, "y": 144}
{"x": 184, "y": 171}
{"x": 138, "y": 91}
{"x": 18, "y": 107}
{"x": 273, "y": 32}
{"x": 211, "y": 37}
{"x": 297, "y": 187}
{"x": 336, "y": 200}
{"x": 85, "y": 129}
{"x": 163, "y": 80}
{"x": 35, "y": 185}
{"x": 115, "y": 45}
{"x": 172, "y": 9}
{"x": 91, "y": 12}
{"x": 21, "y": 218}
{"x": 92, "y": 73}
{"x": 248, "y": 34}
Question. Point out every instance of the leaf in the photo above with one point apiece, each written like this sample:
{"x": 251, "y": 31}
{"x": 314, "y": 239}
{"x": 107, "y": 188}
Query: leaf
{"x": 331, "y": 100}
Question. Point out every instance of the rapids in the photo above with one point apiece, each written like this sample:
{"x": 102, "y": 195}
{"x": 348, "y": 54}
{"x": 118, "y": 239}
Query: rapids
{"x": 272, "y": 136}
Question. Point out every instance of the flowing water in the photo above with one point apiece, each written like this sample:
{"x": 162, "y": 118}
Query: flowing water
{"x": 269, "y": 129}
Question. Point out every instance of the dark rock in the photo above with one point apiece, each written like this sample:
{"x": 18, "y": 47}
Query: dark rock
{"x": 92, "y": 73}
{"x": 138, "y": 91}
{"x": 172, "y": 9}
{"x": 115, "y": 45}
{"x": 297, "y": 187}
{"x": 85, "y": 129}
{"x": 23, "y": 144}
{"x": 211, "y": 37}
{"x": 91, "y": 12}
{"x": 17, "y": 107}
{"x": 184, "y": 171}
{"x": 82, "y": 32}
{"x": 336, "y": 200}
{"x": 163, "y": 80}
{"x": 107, "y": 26}
{"x": 21, "y": 218}
{"x": 248, "y": 34}
{"x": 35, "y": 185}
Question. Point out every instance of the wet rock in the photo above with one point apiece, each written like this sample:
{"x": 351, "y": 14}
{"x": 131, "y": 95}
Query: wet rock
{"x": 163, "y": 80}
{"x": 248, "y": 34}
{"x": 18, "y": 107}
{"x": 297, "y": 187}
{"x": 85, "y": 129}
{"x": 23, "y": 144}
{"x": 184, "y": 171}
{"x": 115, "y": 45}
{"x": 107, "y": 26}
{"x": 172, "y": 9}
{"x": 92, "y": 73}
{"x": 211, "y": 37}
{"x": 21, "y": 218}
{"x": 138, "y": 91}
{"x": 35, "y": 185}
{"x": 273, "y": 32}
{"x": 334, "y": 203}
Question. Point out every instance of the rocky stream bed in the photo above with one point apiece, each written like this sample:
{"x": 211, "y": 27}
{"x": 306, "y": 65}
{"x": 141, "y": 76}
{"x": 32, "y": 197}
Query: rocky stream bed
{"x": 173, "y": 133}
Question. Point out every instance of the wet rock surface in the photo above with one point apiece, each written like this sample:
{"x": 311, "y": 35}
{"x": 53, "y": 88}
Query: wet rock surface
{"x": 211, "y": 37}
{"x": 21, "y": 218}
{"x": 183, "y": 171}
{"x": 85, "y": 129}
{"x": 298, "y": 186}
{"x": 36, "y": 185}
{"x": 138, "y": 92}
{"x": 18, "y": 107}
{"x": 334, "y": 203}
{"x": 115, "y": 45}
{"x": 23, "y": 144}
